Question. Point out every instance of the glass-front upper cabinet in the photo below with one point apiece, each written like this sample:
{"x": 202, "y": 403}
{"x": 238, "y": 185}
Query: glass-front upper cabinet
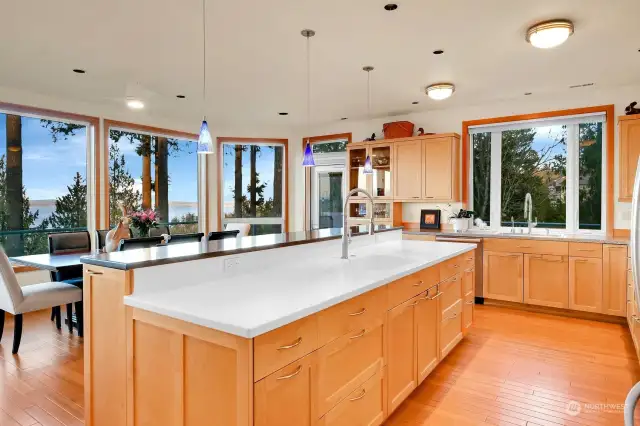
{"x": 359, "y": 212}
{"x": 381, "y": 162}
{"x": 356, "y": 159}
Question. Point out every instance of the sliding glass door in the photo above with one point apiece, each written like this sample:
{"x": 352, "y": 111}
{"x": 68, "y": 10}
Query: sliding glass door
{"x": 327, "y": 196}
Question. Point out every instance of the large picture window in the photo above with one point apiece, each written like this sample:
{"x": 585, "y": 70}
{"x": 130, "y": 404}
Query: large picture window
{"x": 253, "y": 189}
{"x": 558, "y": 161}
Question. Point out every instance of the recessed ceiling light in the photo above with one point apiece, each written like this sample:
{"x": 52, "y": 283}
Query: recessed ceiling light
{"x": 438, "y": 52}
{"x": 135, "y": 103}
{"x": 390, "y": 6}
{"x": 79, "y": 71}
{"x": 344, "y": 118}
{"x": 283, "y": 113}
{"x": 180, "y": 96}
{"x": 527, "y": 93}
{"x": 415, "y": 102}
{"x": 549, "y": 34}
{"x": 440, "y": 91}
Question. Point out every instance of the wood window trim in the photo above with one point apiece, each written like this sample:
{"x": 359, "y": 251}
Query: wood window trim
{"x": 132, "y": 127}
{"x": 307, "y": 171}
{"x": 259, "y": 141}
{"x": 610, "y": 142}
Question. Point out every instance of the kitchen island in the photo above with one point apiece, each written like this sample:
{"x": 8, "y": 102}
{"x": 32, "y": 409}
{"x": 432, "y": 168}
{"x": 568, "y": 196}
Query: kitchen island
{"x": 293, "y": 335}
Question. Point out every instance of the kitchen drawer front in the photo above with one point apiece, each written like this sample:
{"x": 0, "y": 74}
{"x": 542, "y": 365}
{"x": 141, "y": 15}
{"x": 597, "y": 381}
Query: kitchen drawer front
{"x": 347, "y": 363}
{"x": 450, "y": 328}
{"x": 353, "y": 314}
{"x": 364, "y": 406}
{"x": 284, "y": 345}
{"x": 451, "y": 292}
{"x": 585, "y": 250}
{"x": 467, "y": 311}
{"x": 630, "y": 295}
{"x": 468, "y": 280}
{"x": 521, "y": 245}
{"x": 629, "y": 262}
{"x": 468, "y": 259}
{"x": 410, "y": 286}
{"x": 629, "y": 277}
{"x": 450, "y": 267}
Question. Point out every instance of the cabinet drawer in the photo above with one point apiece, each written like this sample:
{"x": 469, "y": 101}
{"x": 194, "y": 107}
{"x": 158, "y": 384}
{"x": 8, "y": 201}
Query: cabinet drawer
{"x": 522, "y": 245}
{"x": 468, "y": 280}
{"x": 585, "y": 250}
{"x": 450, "y": 328}
{"x": 347, "y": 363}
{"x": 450, "y": 267}
{"x": 629, "y": 278}
{"x": 451, "y": 292}
{"x": 410, "y": 286}
{"x": 284, "y": 345}
{"x": 353, "y": 314}
{"x": 630, "y": 293}
{"x": 628, "y": 263}
{"x": 364, "y": 406}
{"x": 467, "y": 311}
{"x": 468, "y": 260}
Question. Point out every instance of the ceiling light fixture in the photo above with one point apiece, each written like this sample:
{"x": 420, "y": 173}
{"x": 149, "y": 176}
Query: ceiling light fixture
{"x": 390, "y": 7}
{"x": 440, "y": 91}
{"x": 134, "y": 103}
{"x": 79, "y": 71}
{"x": 548, "y": 34}
{"x": 205, "y": 143}
{"x": 368, "y": 169}
{"x": 308, "y": 160}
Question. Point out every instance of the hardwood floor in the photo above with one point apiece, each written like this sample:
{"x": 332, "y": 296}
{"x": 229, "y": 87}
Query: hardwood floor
{"x": 514, "y": 368}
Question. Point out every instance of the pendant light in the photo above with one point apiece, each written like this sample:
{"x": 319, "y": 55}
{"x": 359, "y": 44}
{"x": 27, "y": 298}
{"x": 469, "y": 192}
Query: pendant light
{"x": 205, "y": 144}
{"x": 308, "y": 160}
{"x": 368, "y": 169}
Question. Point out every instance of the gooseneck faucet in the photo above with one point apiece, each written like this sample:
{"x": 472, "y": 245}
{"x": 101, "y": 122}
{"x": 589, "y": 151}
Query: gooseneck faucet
{"x": 345, "y": 225}
{"x": 528, "y": 210}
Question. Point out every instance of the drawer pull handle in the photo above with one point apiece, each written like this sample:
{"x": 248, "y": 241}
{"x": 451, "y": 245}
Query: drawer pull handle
{"x": 293, "y": 345}
{"x": 469, "y": 258}
{"x": 360, "y": 312}
{"x": 419, "y": 283}
{"x": 359, "y": 334}
{"x": 437, "y": 295}
{"x": 451, "y": 317}
{"x": 523, "y": 246}
{"x": 413, "y": 304}
{"x": 289, "y": 376}
{"x": 469, "y": 270}
{"x": 586, "y": 250}
{"x": 470, "y": 302}
{"x": 581, "y": 260}
{"x": 94, "y": 272}
{"x": 364, "y": 392}
{"x": 456, "y": 266}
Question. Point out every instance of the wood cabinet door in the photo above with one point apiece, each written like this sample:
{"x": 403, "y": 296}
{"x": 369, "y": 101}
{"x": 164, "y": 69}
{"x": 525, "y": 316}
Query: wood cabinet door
{"x": 427, "y": 329}
{"x": 356, "y": 156}
{"x": 614, "y": 279}
{"x": 450, "y": 329}
{"x": 467, "y": 312}
{"x": 629, "y": 152}
{"x": 401, "y": 352}
{"x": 438, "y": 156}
{"x": 284, "y": 397}
{"x": 585, "y": 284}
{"x": 546, "y": 280}
{"x": 381, "y": 155}
{"x": 502, "y": 276}
{"x": 407, "y": 176}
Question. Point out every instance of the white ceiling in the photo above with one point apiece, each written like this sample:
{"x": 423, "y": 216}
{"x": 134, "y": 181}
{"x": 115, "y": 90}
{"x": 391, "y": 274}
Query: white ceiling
{"x": 152, "y": 49}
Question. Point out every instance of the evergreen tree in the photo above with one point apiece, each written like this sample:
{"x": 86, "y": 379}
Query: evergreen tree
{"x": 71, "y": 209}
{"x": 121, "y": 185}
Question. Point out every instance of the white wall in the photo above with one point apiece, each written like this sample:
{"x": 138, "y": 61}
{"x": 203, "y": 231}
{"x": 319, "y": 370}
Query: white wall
{"x": 450, "y": 120}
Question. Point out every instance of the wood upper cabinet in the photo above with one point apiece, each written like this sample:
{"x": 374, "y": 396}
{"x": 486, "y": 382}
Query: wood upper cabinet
{"x": 629, "y": 127}
{"x": 585, "y": 284}
{"x": 441, "y": 169}
{"x": 284, "y": 397}
{"x": 546, "y": 280}
{"x": 382, "y": 162}
{"x": 426, "y": 324}
{"x": 503, "y": 276}
{"x": 401, "y": 352}
{"x": 614, "y": 279}
{"x": 356, "y": 157}
{"x": 407, "y": 177}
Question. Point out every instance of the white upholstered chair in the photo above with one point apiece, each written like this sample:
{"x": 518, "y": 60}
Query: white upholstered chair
{"x": 244, "y": 228}
{"x": 18, "y": 300}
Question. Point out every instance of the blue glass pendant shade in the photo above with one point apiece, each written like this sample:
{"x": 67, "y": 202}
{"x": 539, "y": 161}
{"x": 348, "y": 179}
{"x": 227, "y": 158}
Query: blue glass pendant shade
{"x": 308, "y": 160}
{"x": 204, "y": 141}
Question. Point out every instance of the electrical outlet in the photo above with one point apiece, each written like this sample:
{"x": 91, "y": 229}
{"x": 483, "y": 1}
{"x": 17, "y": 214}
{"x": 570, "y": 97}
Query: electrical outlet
{"x": 231, "y": 264}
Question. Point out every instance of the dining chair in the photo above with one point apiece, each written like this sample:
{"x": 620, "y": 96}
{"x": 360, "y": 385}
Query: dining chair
{"x": 64, "y": 243}
{"x": 137, "y": 243}
{"x": 212, "y": 236}
{"x": 243, "y": 228}
{"x": 186, "y": 238}
{"x": 18, "y": 300}
{"x": 159, "y": 231}
{"x": 101, "y": 237}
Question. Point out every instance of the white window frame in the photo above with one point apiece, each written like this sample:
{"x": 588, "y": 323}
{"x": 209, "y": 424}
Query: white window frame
{"x": 254, "y": 220}
{"x": 573, "y": 164}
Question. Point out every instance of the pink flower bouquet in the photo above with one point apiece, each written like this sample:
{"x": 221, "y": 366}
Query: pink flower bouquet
{"x": 144, "y": 220}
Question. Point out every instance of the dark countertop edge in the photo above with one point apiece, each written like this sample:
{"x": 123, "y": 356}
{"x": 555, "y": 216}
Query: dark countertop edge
{"x": 605, "y": 239}
{"x": 90, "y": 260}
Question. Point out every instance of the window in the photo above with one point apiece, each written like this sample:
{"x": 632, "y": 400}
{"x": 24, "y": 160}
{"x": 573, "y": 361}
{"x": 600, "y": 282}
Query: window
{"x": 329, "y": 146}
{"x": 253, "y": 185}
{"x": 149, "y": 171}
{"x": 558, "y": 161}
{"x": 43, "y": 181}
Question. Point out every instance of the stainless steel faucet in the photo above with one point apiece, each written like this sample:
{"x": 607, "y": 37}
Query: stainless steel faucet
{"x": 345, "y": 225}
{"x": 528, "y": 210}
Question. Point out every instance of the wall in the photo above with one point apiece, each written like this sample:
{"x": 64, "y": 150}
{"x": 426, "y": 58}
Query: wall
{"x": 450, "y": 120}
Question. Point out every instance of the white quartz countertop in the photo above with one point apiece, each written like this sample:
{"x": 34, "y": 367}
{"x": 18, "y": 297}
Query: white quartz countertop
{"x": 251, "y": 304}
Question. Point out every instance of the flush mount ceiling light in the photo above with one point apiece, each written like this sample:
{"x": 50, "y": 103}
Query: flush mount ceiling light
{"x": 548, "y": 34}
{"x": 440, "y": 91}
{"x": 134, "y": 103}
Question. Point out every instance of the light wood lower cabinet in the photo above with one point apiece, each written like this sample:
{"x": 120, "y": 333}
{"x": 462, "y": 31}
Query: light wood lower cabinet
{"x": 426, "y": 324}
{"x": 585, "y": 284}
{"x": 502, "y": 278}
{"x": 614, "y": 279}
{"x": 450, "y": 328}
{"x": 284, "y": 397}
{"x": 467, "y": 312}
{"x": 546, "y": 280}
